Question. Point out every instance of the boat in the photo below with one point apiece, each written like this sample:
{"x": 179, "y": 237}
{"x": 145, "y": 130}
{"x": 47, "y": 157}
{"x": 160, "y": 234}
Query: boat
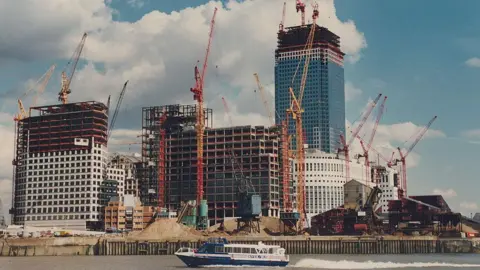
{"x": 218, "y": 252}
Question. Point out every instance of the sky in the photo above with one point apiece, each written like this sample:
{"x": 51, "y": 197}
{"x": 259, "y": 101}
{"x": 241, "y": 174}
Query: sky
{"x": 427, "y": 63}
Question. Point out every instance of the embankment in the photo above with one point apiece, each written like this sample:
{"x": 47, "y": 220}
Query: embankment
{"x": 293, "y": 245}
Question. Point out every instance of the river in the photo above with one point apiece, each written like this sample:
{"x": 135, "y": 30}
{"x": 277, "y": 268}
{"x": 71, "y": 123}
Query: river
{"x": 435, "y": 261}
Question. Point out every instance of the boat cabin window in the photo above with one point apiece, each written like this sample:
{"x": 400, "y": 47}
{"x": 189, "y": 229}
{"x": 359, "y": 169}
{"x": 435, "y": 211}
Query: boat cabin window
{"x": 219, "y": 249}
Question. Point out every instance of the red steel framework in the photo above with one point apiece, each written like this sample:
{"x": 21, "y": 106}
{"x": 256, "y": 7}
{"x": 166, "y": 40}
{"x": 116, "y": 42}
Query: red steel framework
{"x": 161, "y": 160}
{"x": 198, "y": 96}
{"x": 287, "y": 203}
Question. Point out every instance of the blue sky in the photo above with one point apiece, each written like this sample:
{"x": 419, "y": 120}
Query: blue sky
{"x": 416, "y": 56}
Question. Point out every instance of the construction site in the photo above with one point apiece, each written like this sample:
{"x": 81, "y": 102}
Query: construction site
{"x": 199, "y": 181}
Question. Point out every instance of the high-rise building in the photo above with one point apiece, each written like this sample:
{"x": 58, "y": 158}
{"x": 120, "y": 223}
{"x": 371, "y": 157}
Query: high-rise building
{"x": 324, "y": 94}
{"x": 60, "y": 164}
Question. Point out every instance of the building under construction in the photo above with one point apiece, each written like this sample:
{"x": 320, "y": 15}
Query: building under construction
{"x": 60, "y": 159}
{"x": 255, "y": 148}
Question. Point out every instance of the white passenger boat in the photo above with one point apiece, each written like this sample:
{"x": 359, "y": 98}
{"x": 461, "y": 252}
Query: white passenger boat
{"x": 217, "y": 251}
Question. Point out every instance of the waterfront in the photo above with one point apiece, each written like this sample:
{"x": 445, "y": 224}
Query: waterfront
{"x": 430, "y": 261}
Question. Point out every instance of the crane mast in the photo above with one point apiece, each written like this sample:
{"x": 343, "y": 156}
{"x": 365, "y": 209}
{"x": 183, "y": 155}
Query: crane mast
{"x": 200, "y": 123}
{"x": 296, "y": 111}
{"x": 402, "y": 191}
{"x": 367, "y": 148}
{"x": 282, "y": 22}
{"x": 67, "y": 77}
{"x": 300, "y": 6}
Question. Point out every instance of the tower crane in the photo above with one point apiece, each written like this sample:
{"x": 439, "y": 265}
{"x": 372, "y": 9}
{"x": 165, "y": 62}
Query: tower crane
{"x": 402, "y": 191}
{"x": 370, "y": 141}
{"x": 43, "y": 81}
{"x": 346, "y": 145}
{"x": 282, "y": 22}
{"x": 296, "y": 111}
{"x": 300, "y": 6}
{"x": 285, "y": 142}
{"x": 264, "y": 99}
{"x": 197, "y": 91}
{"x": 67, "y": 75}
{"x": 249, "y": 202}
{"x": 117, "y": 109}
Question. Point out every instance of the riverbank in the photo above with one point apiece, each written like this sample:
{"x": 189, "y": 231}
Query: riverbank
{"x": 91, "y": 246}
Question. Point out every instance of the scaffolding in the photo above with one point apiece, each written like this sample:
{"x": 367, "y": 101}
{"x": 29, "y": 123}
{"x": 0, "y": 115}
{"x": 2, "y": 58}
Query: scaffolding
{"x": 178, "y": 121}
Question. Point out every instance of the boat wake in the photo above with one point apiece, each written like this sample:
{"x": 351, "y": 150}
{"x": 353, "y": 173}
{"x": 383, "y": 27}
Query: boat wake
{"x": 344, "y": 264}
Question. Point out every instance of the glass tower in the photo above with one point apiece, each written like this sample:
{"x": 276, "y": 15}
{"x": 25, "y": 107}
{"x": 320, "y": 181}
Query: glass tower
{"x": 324, "y": 94}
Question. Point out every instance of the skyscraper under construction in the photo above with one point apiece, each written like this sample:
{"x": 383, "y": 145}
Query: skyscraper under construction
{"x": 324, "y": 96}
{"x": 254, "y": 147}
{"x": 60, "y": 162}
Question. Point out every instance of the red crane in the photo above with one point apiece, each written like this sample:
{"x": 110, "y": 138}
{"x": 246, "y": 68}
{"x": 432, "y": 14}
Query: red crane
{"x": 161, "y": 160}
{"x": 198, "y": 96}
{"x": 346, "y": 146}
{"x": 402, "y": 190}
{"x": 300, "y": 6}
{"x": 370, "y": 141}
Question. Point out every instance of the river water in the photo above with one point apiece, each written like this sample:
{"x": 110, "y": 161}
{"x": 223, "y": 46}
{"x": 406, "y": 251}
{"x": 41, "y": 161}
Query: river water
{"x": 436, "y": 261}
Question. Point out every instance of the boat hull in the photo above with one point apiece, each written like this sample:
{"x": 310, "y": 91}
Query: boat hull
{"x": 196, "y": 261}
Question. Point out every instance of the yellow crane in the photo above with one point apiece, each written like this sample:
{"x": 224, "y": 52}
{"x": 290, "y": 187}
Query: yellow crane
{"x": 264, "y": 99}
{"x": 67, "y": 75}
{"x": 296, "y": 111}
{"x": 42, "y": 84}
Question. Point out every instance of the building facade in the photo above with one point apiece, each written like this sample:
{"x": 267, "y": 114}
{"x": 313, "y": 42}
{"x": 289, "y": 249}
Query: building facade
{"x": 324, "y": 94}
{"x": 131, "y": 166}
{"x": 60, "y": 162}
{"x": 325, "y": 180}
{"x": 388, "y": 181}
{"x": 124, "y": 213}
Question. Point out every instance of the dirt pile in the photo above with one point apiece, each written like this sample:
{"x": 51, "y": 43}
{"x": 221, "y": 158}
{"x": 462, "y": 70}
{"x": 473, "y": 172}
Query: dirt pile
{"x": 268, "y": 226}
{"x": 168, "y": 230}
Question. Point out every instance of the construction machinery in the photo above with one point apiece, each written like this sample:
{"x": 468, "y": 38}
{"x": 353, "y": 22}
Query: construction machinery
{"x": 402, "y": 191}
{"x": 300, "y": 6}
{"x": 295, "y": 111}
{"x": 351, "y": 219}
{"x": 249, "y": 203}
{"x": 282, "y": 22}
{"x": 367, "y": 148}
{"x": 67, "y": 74}
{"x": 346, "y": 145}
{"x": 288, "y": 217}
{"x": 197, "y": 91}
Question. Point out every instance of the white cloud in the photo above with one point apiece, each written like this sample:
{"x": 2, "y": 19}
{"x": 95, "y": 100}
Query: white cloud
{"x": 351, "y": 92}
{"x": 469, "y": 206}
{"x": 157, "y": 53}
{"x": 447, "y": 193}
{"x": 473, "y": 62}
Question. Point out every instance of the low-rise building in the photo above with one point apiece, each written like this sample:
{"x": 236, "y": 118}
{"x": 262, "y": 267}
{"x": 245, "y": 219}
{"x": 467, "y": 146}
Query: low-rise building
{"x": 124, "y": 213}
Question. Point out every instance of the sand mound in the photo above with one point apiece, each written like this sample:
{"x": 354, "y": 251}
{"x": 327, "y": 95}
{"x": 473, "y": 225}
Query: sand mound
{"x": 268, "y": 226}
{"x": 168, "y": 230}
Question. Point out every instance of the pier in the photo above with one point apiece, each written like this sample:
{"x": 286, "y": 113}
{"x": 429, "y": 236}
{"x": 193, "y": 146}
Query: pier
{"x": 122, "y": 247}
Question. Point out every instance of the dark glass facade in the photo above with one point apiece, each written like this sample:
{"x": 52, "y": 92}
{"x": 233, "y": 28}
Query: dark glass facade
{"x": 324, "y": 95}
